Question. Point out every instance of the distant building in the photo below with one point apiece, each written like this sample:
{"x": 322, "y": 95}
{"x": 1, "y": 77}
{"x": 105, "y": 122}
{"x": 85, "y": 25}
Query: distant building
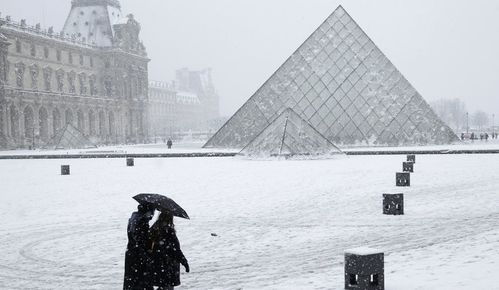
{"x": 172, "y": 111}
{"x": 162, "y": 108}
{"x": 188, "y": 104}
{"x": 189, "y": 112}
{"x": 92, "y": 74}
{"x": 200, "y": 83}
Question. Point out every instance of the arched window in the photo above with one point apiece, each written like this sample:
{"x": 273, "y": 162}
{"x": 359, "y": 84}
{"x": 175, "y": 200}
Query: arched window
{"x": 29, "y": 124}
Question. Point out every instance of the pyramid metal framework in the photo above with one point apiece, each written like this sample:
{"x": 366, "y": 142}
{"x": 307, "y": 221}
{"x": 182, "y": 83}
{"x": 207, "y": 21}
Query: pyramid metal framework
{"x": 70, "y": 137}
{"x": 340, "y": 82}
{"x": 290, "y": 135}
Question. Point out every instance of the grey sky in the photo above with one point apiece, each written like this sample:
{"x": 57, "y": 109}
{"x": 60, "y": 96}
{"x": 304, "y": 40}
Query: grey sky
{"x": 445, "y": 48}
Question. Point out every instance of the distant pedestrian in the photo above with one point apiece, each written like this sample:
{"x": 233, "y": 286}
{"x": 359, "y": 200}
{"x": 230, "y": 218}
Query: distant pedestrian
{"x": 166, "y": 254}
{"x": 486, "y": 136}
{"x": 472, "y": 136}
{"x": 137, "y": 258}
{"x": 169, "y": 143}
{"x": 462, "y": 136}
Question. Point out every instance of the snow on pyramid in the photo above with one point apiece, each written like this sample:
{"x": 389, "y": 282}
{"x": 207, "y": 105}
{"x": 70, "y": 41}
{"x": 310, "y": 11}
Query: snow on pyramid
{"x": 289, "y": 135}
{"x": 340, "y": 82}
{"x": 70, "y": 137}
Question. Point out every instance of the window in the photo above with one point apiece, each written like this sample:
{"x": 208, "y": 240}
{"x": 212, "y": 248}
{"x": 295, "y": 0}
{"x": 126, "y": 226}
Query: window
{"x": 20, "y": 67}
{"x": 374, "y": 280}
{"x": 81, "y": 59}
{"x": 18, "y": 46}
{"x": 60, "y": 80}
{"x": 33, "y": 50}
{"x": 91, "y": 62}
{"x": 71, "y": 82}
{"x": 70, "y": 58}
{"x": 93, "y": 88}
{"x": 47, "y": 78}
{"x": 108, "y": 87}
{"x": 58, "y": 53}
{"x": 83, "y": 81}
{"x": 46, "y": 52}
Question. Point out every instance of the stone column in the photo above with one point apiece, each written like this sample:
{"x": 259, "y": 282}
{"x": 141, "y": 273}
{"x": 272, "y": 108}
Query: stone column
{"x": 3, "y": 62}
{"x": 3, "y": 80}
{"x": 21, "y": 127}
{"x": 7, "y": 120}
{"x": 50, "y": 123}
{"x": 36, "y": 122}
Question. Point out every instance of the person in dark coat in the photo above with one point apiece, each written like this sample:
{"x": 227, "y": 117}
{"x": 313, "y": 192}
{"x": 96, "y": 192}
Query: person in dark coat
{"x": 166, "y": 254}
{"x": 137, "y": 257}
{"x": 169, "y": 143}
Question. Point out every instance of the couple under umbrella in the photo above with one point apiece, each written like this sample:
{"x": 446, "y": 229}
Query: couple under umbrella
{"x": 153, "y": 255}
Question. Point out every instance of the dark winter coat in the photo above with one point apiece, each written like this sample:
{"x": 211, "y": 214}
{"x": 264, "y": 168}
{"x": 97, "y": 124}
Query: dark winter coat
{"x": 137, "y": 257}
{"x": 166, "y": 256}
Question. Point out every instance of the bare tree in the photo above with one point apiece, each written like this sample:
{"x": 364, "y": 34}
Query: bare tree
{"x": 480, "y": 119}
{"x": 451, "y": 111}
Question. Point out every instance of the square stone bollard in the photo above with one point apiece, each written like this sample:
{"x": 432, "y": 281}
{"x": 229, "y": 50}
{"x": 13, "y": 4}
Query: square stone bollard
{"x": 403, "y": 179}
{"x": 408, "y": 166}
{"x": 130, "y": 161}
{"x": 393, "y": 203}
{"x": 364, "y": 269}
{"x": 65, "y": 170}
{"x": 411, "y": 158}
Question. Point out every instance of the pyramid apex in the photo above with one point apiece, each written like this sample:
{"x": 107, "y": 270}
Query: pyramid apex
{"x": 83, "y": 3}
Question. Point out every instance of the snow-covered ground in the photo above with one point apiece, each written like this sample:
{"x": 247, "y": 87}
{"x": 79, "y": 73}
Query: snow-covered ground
{"x": 196, "y": 147}
{"x": 280, "y": 224}
{"x": 190, "y": 147}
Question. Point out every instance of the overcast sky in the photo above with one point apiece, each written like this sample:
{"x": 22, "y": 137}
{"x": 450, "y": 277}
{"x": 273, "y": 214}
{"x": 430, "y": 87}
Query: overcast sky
{"x": 445, "y": 48}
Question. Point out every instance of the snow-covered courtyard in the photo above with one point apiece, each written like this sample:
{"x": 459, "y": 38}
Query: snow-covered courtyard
{"x": 278, "y": 224}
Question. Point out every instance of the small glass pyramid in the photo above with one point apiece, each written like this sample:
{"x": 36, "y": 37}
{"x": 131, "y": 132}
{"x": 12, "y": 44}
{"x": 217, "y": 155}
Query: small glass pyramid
{"x": 289, "y": 135}
{"x": 70, "y": 137}
{"x": 341, "y": 83}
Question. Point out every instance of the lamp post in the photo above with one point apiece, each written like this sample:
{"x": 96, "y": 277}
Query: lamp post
{"x": 467, "y": 123}
{"x": 493, "y": 129}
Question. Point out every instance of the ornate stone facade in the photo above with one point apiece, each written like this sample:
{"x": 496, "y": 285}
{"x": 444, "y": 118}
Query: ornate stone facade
{"x": 93, "y": 74}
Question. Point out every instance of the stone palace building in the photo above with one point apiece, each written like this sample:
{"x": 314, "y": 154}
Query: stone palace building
{"x": 93, "y": 74}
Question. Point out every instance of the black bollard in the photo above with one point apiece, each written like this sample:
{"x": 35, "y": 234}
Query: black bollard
{"x": 130, "y": 161}
{"x": 364, "y": 269}
{"x": 393, "y": 203}
{"x": 408, "y": 166}
{"x": 411, "y": 158}
{"x": 65, "y": 170}
{"x": 403, "y": 179}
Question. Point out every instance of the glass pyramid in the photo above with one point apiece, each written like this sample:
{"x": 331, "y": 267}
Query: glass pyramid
{"x": 70, "y": 137}
{"x": 289, "y": 135}
{"x": 345, "y": 87}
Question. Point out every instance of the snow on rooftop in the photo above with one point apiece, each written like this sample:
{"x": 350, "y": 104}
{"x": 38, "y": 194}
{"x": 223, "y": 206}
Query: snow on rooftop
{"x": 93, "y": 24}
{"x": 363, "y": 251}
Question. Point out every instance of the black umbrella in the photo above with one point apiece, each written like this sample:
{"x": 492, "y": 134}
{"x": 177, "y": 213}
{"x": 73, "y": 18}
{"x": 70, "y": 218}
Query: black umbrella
{"x": 162, "y": 203}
